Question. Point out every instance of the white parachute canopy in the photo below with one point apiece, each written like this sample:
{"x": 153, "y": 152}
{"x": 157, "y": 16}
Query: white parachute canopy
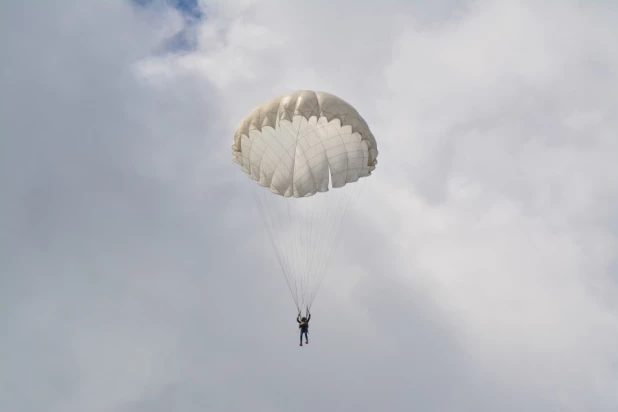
{"x": 299, "y": 145}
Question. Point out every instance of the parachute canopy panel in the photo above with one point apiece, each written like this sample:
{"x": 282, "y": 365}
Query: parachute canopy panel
{"x": 298, "y": 143}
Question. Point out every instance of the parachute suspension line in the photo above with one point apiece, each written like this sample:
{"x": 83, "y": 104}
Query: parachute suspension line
{"x": 302, "y": 236}
{"x": 299, "y": 239}
{"x": 292, "y": 255}
{"x": 295, "y": 226}
{"x": 304, "y": 233}
{"x": 281, "y": 257}
{"x": 268, "y": 223}
{"x": 308, "y": 217}
{"x": 351, "y": 200}
{"x": 317, "y": 223}
{"x": 312, "y": 240}
{"x": 326, "y": 248}
{"x": 317, "y": 220}
{"x": 286, "y": 247}
{"x": 290, "y": 249}
{"x": 329, "y": 220}
{"x": 322, "y": 248}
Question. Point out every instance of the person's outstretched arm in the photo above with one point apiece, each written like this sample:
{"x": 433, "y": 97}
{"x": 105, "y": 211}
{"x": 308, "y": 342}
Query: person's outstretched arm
{"x": 308, "y": 317}
{"x": 298, "y": 318}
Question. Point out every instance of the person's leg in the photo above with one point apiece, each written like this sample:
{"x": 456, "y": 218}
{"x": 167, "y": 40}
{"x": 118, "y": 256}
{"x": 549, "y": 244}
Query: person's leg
{"x": 301, "y": 337}
{"x": 306, "y": 337}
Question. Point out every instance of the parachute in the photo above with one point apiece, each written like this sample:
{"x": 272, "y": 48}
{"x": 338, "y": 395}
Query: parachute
{"x": 299, "y": 146}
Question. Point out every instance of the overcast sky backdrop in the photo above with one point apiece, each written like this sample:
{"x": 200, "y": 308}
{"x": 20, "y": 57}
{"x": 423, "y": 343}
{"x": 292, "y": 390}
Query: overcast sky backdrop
{"x": 478, "y": 271}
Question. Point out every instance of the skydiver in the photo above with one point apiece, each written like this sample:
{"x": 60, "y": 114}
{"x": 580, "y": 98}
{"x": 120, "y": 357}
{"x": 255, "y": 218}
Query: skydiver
{"x": 303, "y": 325}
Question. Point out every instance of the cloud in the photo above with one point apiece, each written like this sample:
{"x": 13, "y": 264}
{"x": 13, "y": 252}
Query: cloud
{"x": 478, "y": 271}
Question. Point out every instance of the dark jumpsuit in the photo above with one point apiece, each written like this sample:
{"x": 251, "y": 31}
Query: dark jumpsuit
{"x": 304, "y": 328}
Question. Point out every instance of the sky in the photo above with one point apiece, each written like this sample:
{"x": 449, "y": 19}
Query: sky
{"x": 477, "y": 272}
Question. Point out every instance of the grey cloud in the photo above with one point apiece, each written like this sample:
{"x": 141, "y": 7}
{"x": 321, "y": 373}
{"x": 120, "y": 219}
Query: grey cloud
{"x": 136, "y": 274}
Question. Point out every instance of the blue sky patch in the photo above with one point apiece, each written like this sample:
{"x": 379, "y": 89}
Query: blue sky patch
{"x": 192, "y": 13}
{"x": 189, "y": 8}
